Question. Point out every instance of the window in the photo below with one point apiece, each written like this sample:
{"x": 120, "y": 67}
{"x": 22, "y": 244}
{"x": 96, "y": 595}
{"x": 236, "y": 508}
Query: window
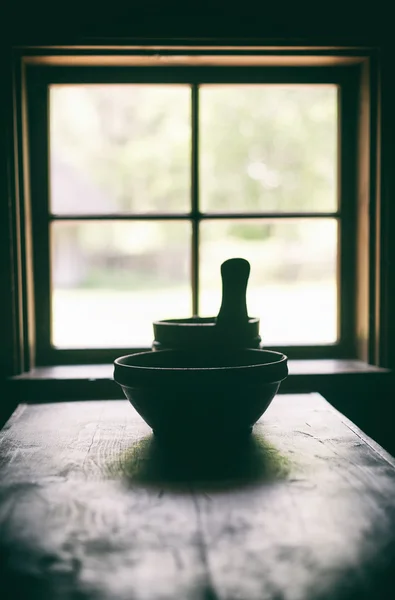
{"x": 144, "y": 179}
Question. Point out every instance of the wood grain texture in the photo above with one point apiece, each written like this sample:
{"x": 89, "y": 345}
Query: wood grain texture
{"x": 92, "y": 507}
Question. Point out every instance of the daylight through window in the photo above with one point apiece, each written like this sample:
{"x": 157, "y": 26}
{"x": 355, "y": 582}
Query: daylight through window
{"x": 152, "y": 186}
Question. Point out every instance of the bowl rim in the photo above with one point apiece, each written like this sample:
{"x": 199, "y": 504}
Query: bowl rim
{"x": 280, "y": 362}
{"x": 189, "y": 322}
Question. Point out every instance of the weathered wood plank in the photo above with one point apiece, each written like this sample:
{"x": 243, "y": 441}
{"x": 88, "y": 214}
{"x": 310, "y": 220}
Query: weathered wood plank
{"x": 91, "y": 506}
{"x": 326, "y": 530}
{"x": 71, "y": 525}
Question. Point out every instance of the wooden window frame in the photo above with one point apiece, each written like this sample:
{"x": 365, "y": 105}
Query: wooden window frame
{"x": 357, "y": 73}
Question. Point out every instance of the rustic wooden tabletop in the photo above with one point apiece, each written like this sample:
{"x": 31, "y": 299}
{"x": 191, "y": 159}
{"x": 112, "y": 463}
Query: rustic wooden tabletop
{"x": 92, "y": 507}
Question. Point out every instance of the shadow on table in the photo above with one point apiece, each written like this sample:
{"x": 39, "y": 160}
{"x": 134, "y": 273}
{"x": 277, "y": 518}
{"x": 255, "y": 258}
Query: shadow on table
{"x": 215, "y": 465}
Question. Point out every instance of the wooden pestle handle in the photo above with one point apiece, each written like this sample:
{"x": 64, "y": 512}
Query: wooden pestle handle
{"x": 233, "y": 312}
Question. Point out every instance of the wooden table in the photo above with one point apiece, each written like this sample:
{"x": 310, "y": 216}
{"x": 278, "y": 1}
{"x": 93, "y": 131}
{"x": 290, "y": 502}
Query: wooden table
{"x": 91, "y": 507}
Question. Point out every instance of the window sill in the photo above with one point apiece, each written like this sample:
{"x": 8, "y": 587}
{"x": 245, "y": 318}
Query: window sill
{"x": 76, "y": 382}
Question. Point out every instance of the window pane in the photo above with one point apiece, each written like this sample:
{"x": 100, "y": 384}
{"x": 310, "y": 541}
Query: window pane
{"x": 268, "y": 148}
{"x": 119, "y": 148}
{"x": 292, "y": 285}
{"x": 111, "y": 280}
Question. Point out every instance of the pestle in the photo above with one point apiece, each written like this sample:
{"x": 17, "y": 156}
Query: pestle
{"x": 233, "y": 313}
{"x": 232, "y": 328}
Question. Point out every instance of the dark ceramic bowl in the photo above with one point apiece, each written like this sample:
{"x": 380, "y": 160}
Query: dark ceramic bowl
{"x": 201, "y": 393}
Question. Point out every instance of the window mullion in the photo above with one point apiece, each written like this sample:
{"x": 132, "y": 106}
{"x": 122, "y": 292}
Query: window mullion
{"x": 195, "y": 197}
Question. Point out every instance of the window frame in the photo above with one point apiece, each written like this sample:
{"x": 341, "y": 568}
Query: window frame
{"x": 349, "y": 75}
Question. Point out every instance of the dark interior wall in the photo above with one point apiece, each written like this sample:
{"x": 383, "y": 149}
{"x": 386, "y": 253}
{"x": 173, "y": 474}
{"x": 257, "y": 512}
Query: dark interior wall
{"x": 299, "y": 22}
{"x": 7, "y": 312}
